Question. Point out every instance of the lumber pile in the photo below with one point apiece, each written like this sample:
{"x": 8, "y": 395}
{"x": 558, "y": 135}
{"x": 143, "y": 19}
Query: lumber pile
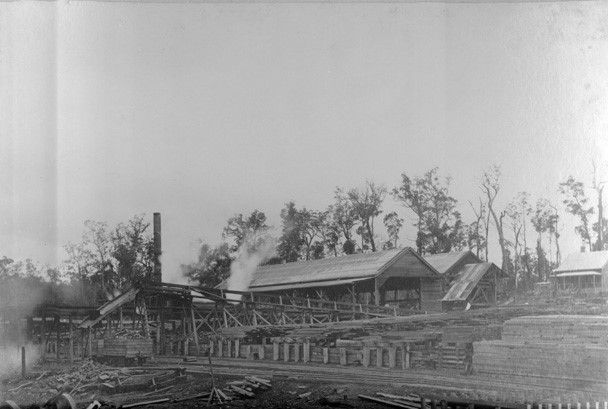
{"x": 558, "y": 351}
{"x": 567, "y": 329}
{"x": 554, "y": 362}
{"x": 398, "y": 401}
{"x": 126, "y": 347}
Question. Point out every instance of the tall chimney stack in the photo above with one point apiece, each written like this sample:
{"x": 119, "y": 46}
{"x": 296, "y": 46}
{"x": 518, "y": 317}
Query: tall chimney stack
{"x": 158, "y": 276}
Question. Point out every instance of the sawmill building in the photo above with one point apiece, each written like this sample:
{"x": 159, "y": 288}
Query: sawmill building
{"x": 398, "y": 277}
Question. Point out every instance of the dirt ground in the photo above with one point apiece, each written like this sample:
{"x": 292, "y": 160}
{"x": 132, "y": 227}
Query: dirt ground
{"x": 34, "y": 392}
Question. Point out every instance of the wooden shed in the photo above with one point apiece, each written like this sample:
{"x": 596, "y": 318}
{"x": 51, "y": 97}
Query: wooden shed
{"x": 449, "y": 265}
{"x": 474, "y": 287}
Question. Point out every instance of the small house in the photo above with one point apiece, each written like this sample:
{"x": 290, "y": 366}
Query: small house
{"x": 587, "y": 272}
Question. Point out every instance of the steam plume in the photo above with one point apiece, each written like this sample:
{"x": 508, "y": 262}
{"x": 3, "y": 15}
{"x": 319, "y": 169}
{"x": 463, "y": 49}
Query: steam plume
{"x": 256, "y": 248}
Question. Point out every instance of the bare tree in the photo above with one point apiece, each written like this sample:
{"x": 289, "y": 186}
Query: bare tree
{"x": 554, "y": 231}
{"x": 490, "y": 185}
{"x": 541, "y": 221}
{"x": 598, "y": 186}
{"x": 513, "y": 212}
{"x": 476, "y": 236}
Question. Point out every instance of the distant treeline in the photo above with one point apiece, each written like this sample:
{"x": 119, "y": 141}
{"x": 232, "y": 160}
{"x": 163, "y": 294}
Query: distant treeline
{"x": 527, "y": 232}
{"x": 108, "y": 260}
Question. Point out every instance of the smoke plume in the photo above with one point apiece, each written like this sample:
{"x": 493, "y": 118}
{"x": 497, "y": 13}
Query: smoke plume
{"x": 256, "y": 248}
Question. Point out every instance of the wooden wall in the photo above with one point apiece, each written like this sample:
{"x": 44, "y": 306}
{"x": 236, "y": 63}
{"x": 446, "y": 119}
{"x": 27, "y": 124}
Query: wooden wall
{"x": 431, "y": 293}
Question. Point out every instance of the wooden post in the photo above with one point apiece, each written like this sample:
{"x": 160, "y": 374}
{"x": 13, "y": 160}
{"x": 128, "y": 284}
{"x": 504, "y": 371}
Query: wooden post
{"x": 90, "y": 342}
{"x": 23, "y": 362}
{"x": 181, "y": 346}
{"x": 275, "y": 351}
{"x": 225, "y": 316}
{"x": 306, "y": 352}
{"x": 158, "y": 335}
{"x": 366, "y": 357}
{"x": 194, "y": 330}
{"x": 392, "y": 357}
{"x": 42, "y": 338}
{"x": 57, "y": 334}
{"x": 211, "y": 347}
{"x": 261, "y": 352}
{"x": 376, "y": 292}
{"x": 220, "y": 347}
{"x": 71, "y": 340}
{"x": 420, "y": 294}
{"x": 237, "y": 348}
{"x": 145, "y": 322}
{"x": 163, "y": 343}
{"x": 325, "y": 355}
{"x": 229, "y": 348}
{"x": 495, "y": 289}
{"x": 286, "y": 352}
{"x": 342, "y": 356}
{"x": 248, "y": 354}
{"x": 408, "y": 358}
{"x": 296, "y": 352}
{"x": 379, "y": 351}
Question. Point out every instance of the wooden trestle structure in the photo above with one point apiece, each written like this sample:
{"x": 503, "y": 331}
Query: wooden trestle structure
{"x": 176, "y": 316}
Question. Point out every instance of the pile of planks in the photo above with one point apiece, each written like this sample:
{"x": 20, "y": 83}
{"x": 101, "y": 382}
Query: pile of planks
{"x": 248, "y": 386}
{"x": 566, "y": 351}
{"x": 398, "y": 401}
{"x": 567, "y": 329}
{"x": 126, "y": 347}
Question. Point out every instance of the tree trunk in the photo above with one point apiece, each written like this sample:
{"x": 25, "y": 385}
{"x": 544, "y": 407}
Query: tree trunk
{"x": 600, "y": 220}
{"x": 501, "y": 239}
{"x": 487, "y": 226}
{"x": 370, "y": 233}
{"x": 558, "y": 255}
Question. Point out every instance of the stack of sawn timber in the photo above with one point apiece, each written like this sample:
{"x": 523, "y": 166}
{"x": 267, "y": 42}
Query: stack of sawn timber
{"x": 561, "y": 351}
{"x": 126, "y": 347}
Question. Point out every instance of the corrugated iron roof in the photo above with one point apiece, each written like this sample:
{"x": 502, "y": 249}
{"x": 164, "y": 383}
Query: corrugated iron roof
{"x": 467, "y": 280}
{"x": 349, "y": 267}
{"x": 578, "y": 273}
{"x": 314, "y": 284}
{"x": 595, "y": 260}
{"x": 443, "y": 262}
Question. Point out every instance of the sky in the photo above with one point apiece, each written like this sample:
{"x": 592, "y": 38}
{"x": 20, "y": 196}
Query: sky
{"x": 201, "y": 111}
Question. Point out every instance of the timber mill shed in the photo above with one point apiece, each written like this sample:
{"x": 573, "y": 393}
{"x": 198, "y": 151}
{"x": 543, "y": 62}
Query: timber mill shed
{"x": 396, "y": 277}
{"x": 475, "y": 286}
{"x": 449, "y": 265}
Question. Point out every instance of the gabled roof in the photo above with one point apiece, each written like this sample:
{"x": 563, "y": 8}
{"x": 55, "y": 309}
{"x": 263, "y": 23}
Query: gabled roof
{"x": 467, "y": 280}
{"x": 444, "y": 262}
{"x": 595, "y": 260}
{"x": 348, "y": 268}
